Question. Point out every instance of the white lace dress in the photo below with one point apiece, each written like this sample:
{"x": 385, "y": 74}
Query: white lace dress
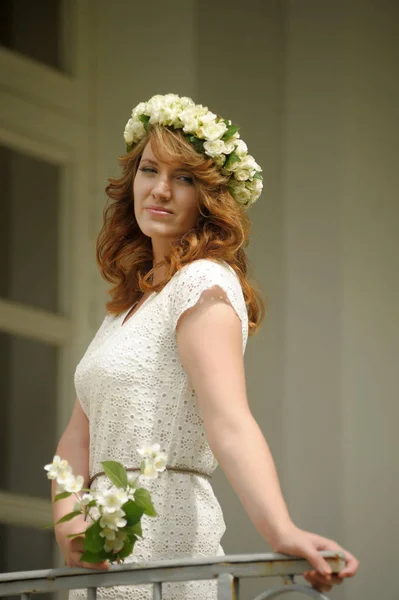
{"x": 134, "y": 390}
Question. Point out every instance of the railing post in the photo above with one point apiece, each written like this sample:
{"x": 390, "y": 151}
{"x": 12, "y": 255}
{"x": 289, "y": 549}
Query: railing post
{"x": 91, "y": 593}
{"x": 228, "y": 587}
{"x": 157, "y": 591}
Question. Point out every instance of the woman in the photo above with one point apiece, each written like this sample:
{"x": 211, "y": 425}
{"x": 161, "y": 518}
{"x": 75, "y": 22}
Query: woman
{"x": 167, "y": 362}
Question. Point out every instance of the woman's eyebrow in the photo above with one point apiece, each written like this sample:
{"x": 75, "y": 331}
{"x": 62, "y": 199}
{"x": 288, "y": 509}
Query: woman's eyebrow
{"x": 149, "y": 160}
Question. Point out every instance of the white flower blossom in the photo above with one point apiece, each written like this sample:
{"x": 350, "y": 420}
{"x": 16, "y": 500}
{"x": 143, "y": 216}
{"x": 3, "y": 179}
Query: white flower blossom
{"x": 86, "y": 499}
{"x": 73, "y": 484}
{"x": 64, "y": 477}
{"x": 56, "y": 467}
{"x": 108, "y": 534}
{"x": 112, "y": 500}
{"x": 115, "y": 545}
{"x": 160, "y": 462}
{"x": 113, "y": 520}
{"x": 149, "y": 470}
{"x": 149, "y": 450}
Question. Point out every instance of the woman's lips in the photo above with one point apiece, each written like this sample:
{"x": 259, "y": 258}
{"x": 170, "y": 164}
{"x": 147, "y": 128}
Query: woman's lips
{"x": 158, "y": 211}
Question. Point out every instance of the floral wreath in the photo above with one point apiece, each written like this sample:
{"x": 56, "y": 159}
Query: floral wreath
{"x": 209, "y": 134}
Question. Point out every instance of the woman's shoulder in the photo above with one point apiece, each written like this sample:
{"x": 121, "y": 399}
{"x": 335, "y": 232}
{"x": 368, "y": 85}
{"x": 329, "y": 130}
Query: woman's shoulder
{"x": 200, "y": 275}
{"x": 204, "y": 269}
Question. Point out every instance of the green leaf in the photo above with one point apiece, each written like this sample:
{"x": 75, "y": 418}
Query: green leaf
{"x": 231, "y": 130}
{"x": 69, "y": 516}
{"x": 91, "y": 503}
{"x": 144, "y": 119}
{"x": 231, "y": 159}
{"x": 258, "y": 176}
{"x": 73, "y": 535}
{"x": 48, "y": 526}
{"x": 197, "y": 143}
{"x": 143, "y": 500}
{"x": 134, "y": 529}
{"x": 129, "y": 148}
{"x": 116, "y": 473}
{"x": 126, "y": 550}
{"x": 133, "y": 512}
{"x": 61, "y": 496}
{"x": 93, "y": 557}
{"x": 93, "y": 540}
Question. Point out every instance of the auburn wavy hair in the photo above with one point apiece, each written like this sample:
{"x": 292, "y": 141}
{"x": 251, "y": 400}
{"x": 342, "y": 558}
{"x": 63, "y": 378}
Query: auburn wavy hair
{"x": 124, "y": 253}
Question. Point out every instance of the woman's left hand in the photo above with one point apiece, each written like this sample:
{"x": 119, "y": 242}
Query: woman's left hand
{"x": 297, "y": 542}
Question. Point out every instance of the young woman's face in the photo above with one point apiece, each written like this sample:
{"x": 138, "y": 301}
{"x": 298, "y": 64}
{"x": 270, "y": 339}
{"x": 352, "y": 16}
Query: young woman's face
{"x": 165, "y": 197}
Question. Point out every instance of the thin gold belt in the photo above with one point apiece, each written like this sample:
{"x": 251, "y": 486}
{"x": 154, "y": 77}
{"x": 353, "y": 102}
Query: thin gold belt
{"x": 176, "y": 469}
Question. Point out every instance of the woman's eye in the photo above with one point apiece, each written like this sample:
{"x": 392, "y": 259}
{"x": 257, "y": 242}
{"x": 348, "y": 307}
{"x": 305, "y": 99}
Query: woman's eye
{"x": 187, "y": 179}
{"x": 147, "y": 170}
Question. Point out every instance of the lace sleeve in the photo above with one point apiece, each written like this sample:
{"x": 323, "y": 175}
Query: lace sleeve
{"x": 199, "y": 276}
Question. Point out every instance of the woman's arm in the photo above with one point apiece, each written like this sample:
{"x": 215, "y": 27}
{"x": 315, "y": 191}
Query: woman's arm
{"x": 210, "y": 347}
{"x": 73, "y": 447}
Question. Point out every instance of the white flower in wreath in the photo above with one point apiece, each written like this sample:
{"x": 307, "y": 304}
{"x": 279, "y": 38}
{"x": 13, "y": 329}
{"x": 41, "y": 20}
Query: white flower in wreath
{"x": 242, "y": 175}
{"x": 190, "y": 117}
{"x": 186, "y": 102}
{"x": 140, "y": 109}
{"x": 214, "y": 148}
{"x": 208, "y": 117}
{"x": 154, "y": 108}
{"x": 229, "y": 146}
{"x": 212, "y": 131}
{"x": 248, "y": 162}
{"x": 134, "y": 131}
{"x": 241, "y": 149}
{"x": 255, "y": 186}
{"x": 241, "y": 193}
{"x": 219, "y": 160}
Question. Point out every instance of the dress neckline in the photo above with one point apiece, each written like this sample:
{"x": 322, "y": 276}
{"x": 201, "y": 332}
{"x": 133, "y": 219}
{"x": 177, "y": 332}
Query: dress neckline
{"x": 126, "y": 312}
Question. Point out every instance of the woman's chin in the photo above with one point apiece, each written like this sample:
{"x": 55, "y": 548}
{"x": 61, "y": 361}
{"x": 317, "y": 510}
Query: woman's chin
{"x": 158, "y": 230}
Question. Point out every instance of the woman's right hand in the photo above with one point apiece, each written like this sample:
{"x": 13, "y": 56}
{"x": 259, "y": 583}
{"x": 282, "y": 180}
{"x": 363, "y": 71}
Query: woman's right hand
{"x": 72, "y": 548}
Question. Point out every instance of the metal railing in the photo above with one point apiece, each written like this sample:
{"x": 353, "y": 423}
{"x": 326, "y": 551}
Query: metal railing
{"x": 226, "y": 570}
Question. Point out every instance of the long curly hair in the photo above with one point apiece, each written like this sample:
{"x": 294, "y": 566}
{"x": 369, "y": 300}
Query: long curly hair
{"x": 124, "y": 253}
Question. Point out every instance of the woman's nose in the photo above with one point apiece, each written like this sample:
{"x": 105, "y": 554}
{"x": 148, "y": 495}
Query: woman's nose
{"x": 162, "y": 188}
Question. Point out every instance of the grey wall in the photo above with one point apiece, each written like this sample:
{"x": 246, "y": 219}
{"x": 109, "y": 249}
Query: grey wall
{"x": 314, "y": 88}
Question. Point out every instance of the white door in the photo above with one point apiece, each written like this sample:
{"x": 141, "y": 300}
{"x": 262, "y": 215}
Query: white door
{"x": 44, "y": 255}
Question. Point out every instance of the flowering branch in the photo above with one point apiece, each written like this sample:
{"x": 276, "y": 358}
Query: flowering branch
{"x": 116, "y": 512}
